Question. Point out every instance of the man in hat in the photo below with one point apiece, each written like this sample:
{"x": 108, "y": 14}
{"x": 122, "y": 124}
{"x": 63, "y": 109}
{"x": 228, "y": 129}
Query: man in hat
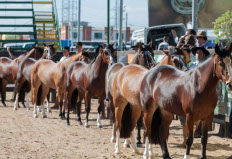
{"x": 79, "y": 47}
{"x": 135, "y": 47}
{"x": 202, "y": 40}
{"x": 164, "y": 45}
{"x": 189, "y": 36}
{"x": 200, "y": 53}
{"x": 65, "y": 53}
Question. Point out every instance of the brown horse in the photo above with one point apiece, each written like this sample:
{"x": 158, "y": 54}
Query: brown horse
{"x": 87, "y": 81}
{"x": 48, "y": 74}
{"x": 23, "y": 79}
{"x": 185, "y": 94}
{"x": 126, "y": 98}
{"x": 9, "y": 69}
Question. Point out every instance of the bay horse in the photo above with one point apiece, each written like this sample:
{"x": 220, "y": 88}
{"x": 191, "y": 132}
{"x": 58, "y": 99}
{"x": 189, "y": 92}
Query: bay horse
{"x": 47, "y": 74}
{"x": 23, "y": 79}
{"x": 9, "y": 68}
{"x": 184, "y": 94}
{"x": 126, "y": 99}
{"x": 86, "y": 81}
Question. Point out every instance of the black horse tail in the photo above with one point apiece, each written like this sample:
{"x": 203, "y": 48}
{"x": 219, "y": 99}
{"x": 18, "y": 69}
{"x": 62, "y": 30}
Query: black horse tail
{"x": 74, "y": 99}
{"x": 156, "y": 126}
{"x": 22, "y": 92}
{"x": 126, "y": 128}
{"x": 39, "y": 95}
{"x": 0, "y": 84}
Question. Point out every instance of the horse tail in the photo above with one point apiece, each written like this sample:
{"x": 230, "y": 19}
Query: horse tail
{"x": 156, "y": 126}
{"x": 39, "y": 95}
{"x": 126, "y": 127}
{"x": 24, "y": 88}
{"x": 0, "y": 84}
{"x": 74, "y": 99}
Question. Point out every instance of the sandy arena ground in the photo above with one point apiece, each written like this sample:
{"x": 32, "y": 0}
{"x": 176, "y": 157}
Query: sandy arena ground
{"x": 23, "y": 136}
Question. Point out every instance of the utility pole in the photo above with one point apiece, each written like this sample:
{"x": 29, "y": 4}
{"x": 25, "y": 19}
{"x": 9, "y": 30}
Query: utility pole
{"x": 126, "y": 28}
{"x": 194, "y": 15}
{"x": 120, "y": 25}
{"x": 108, "y": 21}
{"x": 116, "y": 20}
{"x": 79, "y": 20}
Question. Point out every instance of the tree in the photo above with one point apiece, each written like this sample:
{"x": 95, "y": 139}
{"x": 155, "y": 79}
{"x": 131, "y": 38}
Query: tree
{"x": 223, "y": 27}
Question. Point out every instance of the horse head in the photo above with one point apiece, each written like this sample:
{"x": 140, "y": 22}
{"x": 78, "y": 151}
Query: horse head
{"x": 222, "y": 64}
{"x": 145, "y": 55}
{"x": 111, "y": 53}
{"x": 176, "y": 58}
{"x": 49, "y": 51}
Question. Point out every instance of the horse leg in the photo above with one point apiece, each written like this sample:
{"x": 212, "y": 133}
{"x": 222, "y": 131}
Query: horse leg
{"x": 111, "y": 107}
{"x": 139, "y": 126}
{"x": 27, "y": 101}
{"x": 3, "y": 91}
{"x": 100, "y": 107}
{"x": 34, "y": 100}
{"x": 45, "y": 90}
{"x": 206, "y": 125}
{"x": 189, "y": 141}
{"x": 48, "y": 105}
{"x": 133, "y": 142}
{"x": 87, "y": 108}
{"x": 164, "y": 131}
{"x": 60, "y": 100}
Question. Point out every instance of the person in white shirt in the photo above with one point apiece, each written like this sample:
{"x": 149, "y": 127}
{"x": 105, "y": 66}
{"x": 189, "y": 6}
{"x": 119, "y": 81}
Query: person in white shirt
{"x": 164, "y": 45}
{"x": 65, "y": 53}
{"x": 79, "y": 47}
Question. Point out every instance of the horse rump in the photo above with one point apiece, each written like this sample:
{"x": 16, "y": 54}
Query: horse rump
{"x": 126, "y": 127}
{"x": 156, "y": 126}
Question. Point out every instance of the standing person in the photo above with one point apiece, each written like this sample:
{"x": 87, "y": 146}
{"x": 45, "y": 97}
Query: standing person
{"x": 202, "y": 40}
{"x": 65, "y": 53}
{"x": 79, "y": 47}
{"x": 164, "y": 45}
{"x": 183, "y": 38}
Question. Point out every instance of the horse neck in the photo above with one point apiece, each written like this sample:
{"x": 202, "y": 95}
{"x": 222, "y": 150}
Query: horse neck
{"x": 135, "y": 59}
{"x": 164, "y": 61}
{"x": 99, "y": 67}
{"x": 31, "y": 53}
{"x": 206, "y": 76}
{"x": 71, "y": 59}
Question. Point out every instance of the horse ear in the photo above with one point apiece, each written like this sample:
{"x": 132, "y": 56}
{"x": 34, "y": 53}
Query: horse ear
{"x": 52, "y": 44}
{"x": 166, "y": 52}
{"x": 44, "y": 44}
{"x": 150, "y": 44}
{"x": 217, "y": 49}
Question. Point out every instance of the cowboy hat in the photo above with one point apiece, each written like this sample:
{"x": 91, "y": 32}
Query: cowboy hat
{"x": 194, "y": 50}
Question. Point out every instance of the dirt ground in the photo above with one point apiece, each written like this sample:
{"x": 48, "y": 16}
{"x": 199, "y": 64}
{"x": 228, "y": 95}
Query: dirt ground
{"x": 23, "y": 136}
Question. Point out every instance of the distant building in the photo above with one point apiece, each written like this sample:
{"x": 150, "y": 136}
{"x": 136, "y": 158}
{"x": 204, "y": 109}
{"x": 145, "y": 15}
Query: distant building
{"x": 89, "y": 33}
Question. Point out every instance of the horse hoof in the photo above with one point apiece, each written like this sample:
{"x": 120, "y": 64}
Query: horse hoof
{"x": 4, "y": 105}
{"x": 44, "y": 116}
{"x": 15, "y": 109}
{"x": 203, "y": 157}
{"x": 113, "y": 140}
{"x": 136, "y": 151}
{"x": 126, "y": 145}
{"x": 49, "y": 111}
{"x": 186, "y": 156}
{"x": 145, "y": 156}
{"x": 68, "y": 123}
{"x": 116, "y": 152}
{"x": 86, "y": 126}
{"x": 139, "y": 144}
{"x": 28, "y": 108}
{"x": 79, "y": 123}
{"x": 99, "y": 126}
{"x": 35, "y": 116}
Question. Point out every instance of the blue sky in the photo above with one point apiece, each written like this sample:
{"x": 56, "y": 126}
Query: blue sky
{"x": 95, "y": 12}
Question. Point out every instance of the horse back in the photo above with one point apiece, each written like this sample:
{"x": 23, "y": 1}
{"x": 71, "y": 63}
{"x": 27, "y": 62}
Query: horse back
{"x": 127, "y": 83}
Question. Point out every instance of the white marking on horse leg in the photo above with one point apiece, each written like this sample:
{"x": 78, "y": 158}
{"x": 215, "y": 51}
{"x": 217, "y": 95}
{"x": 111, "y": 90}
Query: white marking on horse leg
{"x": 27, "y": 102}
{"x": 113, "y": 138}
{"x": 117, "y": 146}
{"x": 35, "y": 111}
{"x": 43, "y": 111}
{"x": 99, "y": 121}
{"x": 150, "y": 150}
{"x": 133, "y": 142}
{"x": 16, "y": 104}
{"x": 186, "y": 156}
{"x": 48, "y": 107}
{"x": 38, "y": 108}
{"x": 146, "y": 153}
{"x": 126, "y": 143}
